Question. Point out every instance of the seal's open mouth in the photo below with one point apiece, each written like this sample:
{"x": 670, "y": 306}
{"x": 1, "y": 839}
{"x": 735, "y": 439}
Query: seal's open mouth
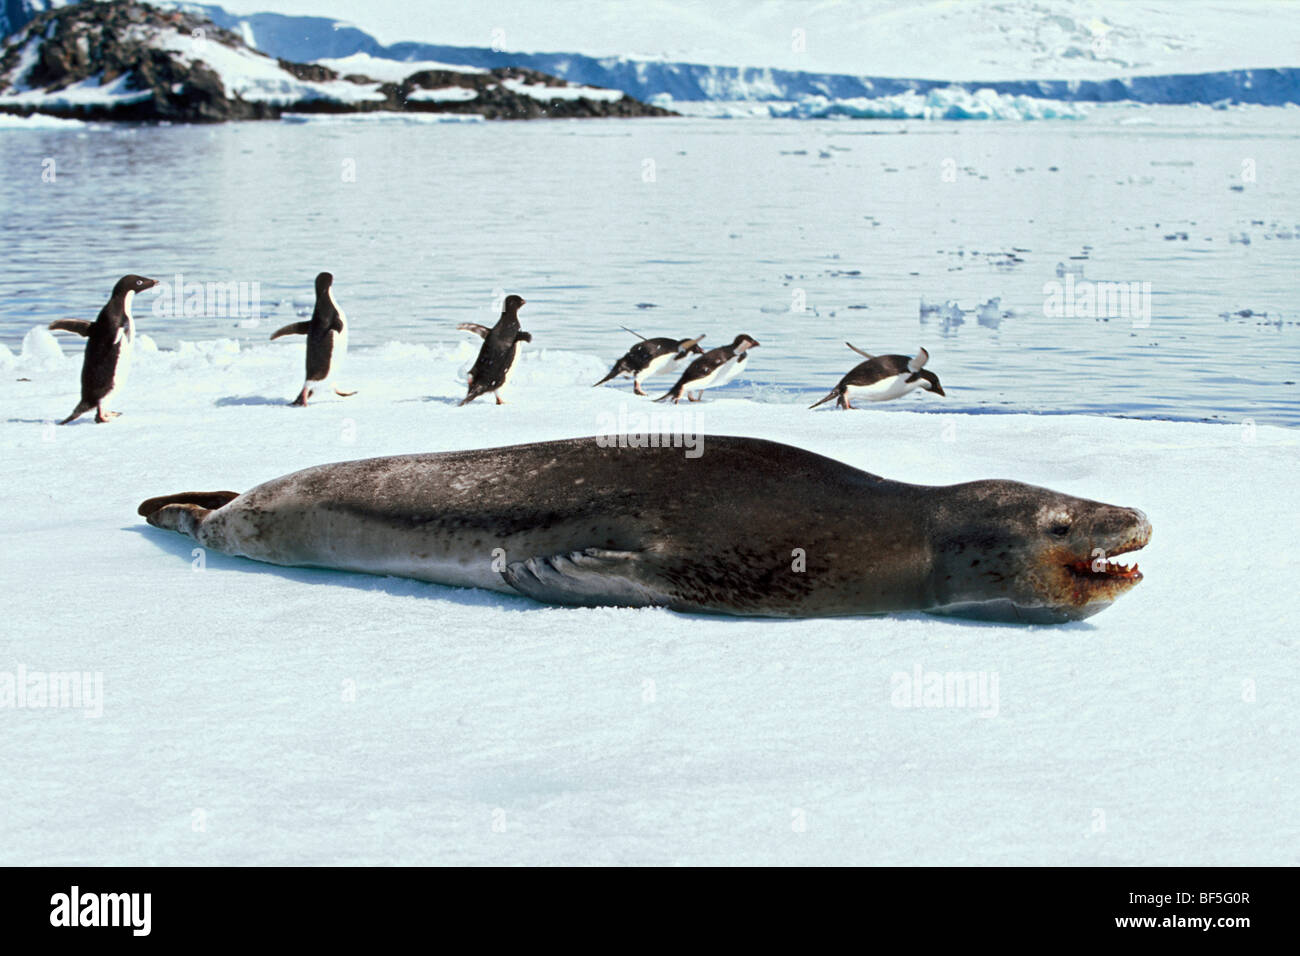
{"x": 1102, "y": 571}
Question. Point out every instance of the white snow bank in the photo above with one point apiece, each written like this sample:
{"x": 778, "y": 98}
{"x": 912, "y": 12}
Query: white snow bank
{"x": 948, "y": 103}
{"x": 445, "y": 94}
{"x": 388, "y": 71}
{"x": 540, "y": 91}
{"x": 36, "y": 121}
{"x": 89, "y": 92}
{"x": 256, "y": 77}
{"x": 315, "y": 717}
{"x": 381, "y": 116}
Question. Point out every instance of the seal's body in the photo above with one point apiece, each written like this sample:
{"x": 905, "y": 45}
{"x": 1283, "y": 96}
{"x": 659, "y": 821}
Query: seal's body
{"x": 750, "y": 527}
{"x": 110, "y": 342}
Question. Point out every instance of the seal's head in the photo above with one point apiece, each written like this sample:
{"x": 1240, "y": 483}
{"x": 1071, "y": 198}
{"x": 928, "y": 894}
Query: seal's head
{"x": 1002, "y": 550}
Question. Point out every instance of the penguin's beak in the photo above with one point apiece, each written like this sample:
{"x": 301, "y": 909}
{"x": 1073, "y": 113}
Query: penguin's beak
{"x": 149, "y": 284}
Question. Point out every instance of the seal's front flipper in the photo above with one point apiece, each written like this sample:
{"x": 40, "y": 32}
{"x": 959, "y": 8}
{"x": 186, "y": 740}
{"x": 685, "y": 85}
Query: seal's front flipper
{"x": 79, "y": 326}
{"x": 210, "y": 500}
{"x": 593, "y": 577}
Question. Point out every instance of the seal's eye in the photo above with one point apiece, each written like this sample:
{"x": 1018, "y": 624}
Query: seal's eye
{"x": 1061, "y": 529}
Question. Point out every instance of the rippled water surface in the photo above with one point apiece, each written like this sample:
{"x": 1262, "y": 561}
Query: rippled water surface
{"x": 682, "y": 227}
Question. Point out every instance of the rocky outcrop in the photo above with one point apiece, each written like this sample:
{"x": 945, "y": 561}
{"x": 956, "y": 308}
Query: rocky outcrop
{"x": 128, "y": 61}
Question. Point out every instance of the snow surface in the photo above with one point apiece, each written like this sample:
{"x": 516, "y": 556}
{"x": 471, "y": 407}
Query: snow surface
{"x": 445, "y": 94}
{"x": 255, "y": 77}
{"x": 938, "y": 39}
{"x": 385, "y": 116}
{"x": 385, "y": 70}
{"x": 254, "y": 714}
{"x": 945, "y": 103}
{"x": 540, "y": 91}
{"x": 91, "y": 91}
{"x": 36, "y": 121}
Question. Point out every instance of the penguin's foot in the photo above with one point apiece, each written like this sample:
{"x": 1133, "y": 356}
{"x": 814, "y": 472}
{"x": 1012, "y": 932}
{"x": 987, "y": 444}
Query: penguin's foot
{"x": 300, "y": 401}
{"x": 636, "y": 389}
{"x": 342, "y": 394}
{"x": 692, "y": 398}
{"x": 500, "y": 400}
{"x": 103, "y": 417}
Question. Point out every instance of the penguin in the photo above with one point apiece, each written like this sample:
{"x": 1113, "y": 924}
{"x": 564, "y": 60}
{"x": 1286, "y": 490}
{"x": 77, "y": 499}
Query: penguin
{"x": 491, "y": 370}
{"x": 327, "y": 340}
{"x": 715, "y": 367}
{"x": 650, "y": 356}
{"x": 883, "y": 377}
{"x": 110, "y": 340}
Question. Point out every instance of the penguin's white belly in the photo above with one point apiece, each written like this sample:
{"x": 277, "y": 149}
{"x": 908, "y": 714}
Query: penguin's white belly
{"x": 883, "y": 390}
{"x": 728, "y": 371}
{"x": 125, "y": 352}
{"x": 657, "y": 365}
{"x": 510, "y": 366}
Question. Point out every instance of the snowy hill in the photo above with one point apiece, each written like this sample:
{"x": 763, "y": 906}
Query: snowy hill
{"x": 132, "y": 61}
{"x": 677, "y": 51}
{"x": 1058, "y": 49}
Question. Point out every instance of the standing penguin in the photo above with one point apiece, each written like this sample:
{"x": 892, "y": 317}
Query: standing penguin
{"x": 491, "y": 370}
{"x": 882, "y": 377}
{"x": 327, "y": 340}
{"x": 715, "y": 367}
{"x": 110, "y": 340}
{"x": 650, "y": 356}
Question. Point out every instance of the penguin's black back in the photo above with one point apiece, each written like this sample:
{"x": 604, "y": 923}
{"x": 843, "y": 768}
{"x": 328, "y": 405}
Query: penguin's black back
{"x": 103, "y": 349}
{"x": 320, "y": 339}
{"x": 876, "y": 368}
{"x": 496, "y": 355}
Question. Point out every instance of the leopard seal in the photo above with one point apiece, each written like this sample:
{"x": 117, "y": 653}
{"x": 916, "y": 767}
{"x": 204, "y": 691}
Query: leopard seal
{"x": 751, "y": 527}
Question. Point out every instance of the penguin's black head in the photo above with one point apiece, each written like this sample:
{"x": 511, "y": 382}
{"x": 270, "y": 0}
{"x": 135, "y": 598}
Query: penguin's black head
{"x": 743, "y": 342}
{"x": 930, "y": 382}
{"x": 323, "y": 281}
{"x": 513, "y": 302}
{"x": 132, "y": 283}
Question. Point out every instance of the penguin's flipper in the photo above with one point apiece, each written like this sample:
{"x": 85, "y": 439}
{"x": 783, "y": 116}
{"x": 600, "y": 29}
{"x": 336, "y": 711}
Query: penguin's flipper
{"x": 616, "y": 371}
{"x": 343, "y": 394}
{"x": 593, "y": 577}
{"x": 79, "y": 326}
{"x": 294, "y": 328}
{"x": 524, "y": 337}
{"x": 865, "y": 355}
{"x": 918, "y": 363}
{"x": 212, "y": 500}
{"x": 480, "y": 330}
{"x": 637, "y": 334}
{"x": 835, "y": 393}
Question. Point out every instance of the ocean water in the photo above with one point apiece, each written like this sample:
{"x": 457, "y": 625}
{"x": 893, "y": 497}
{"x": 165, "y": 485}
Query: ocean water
{"x": 803, "y": 234}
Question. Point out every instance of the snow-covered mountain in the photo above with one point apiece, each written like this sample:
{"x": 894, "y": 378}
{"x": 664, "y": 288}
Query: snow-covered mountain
{"x": 1067, "y": 51}
{"x": 133, "y": 61}
{"x": 1048, "y": 49}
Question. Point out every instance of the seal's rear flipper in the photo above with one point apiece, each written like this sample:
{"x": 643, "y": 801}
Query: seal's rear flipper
{"x": 210, "y": 500}
{"x": 590, "y": 578}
